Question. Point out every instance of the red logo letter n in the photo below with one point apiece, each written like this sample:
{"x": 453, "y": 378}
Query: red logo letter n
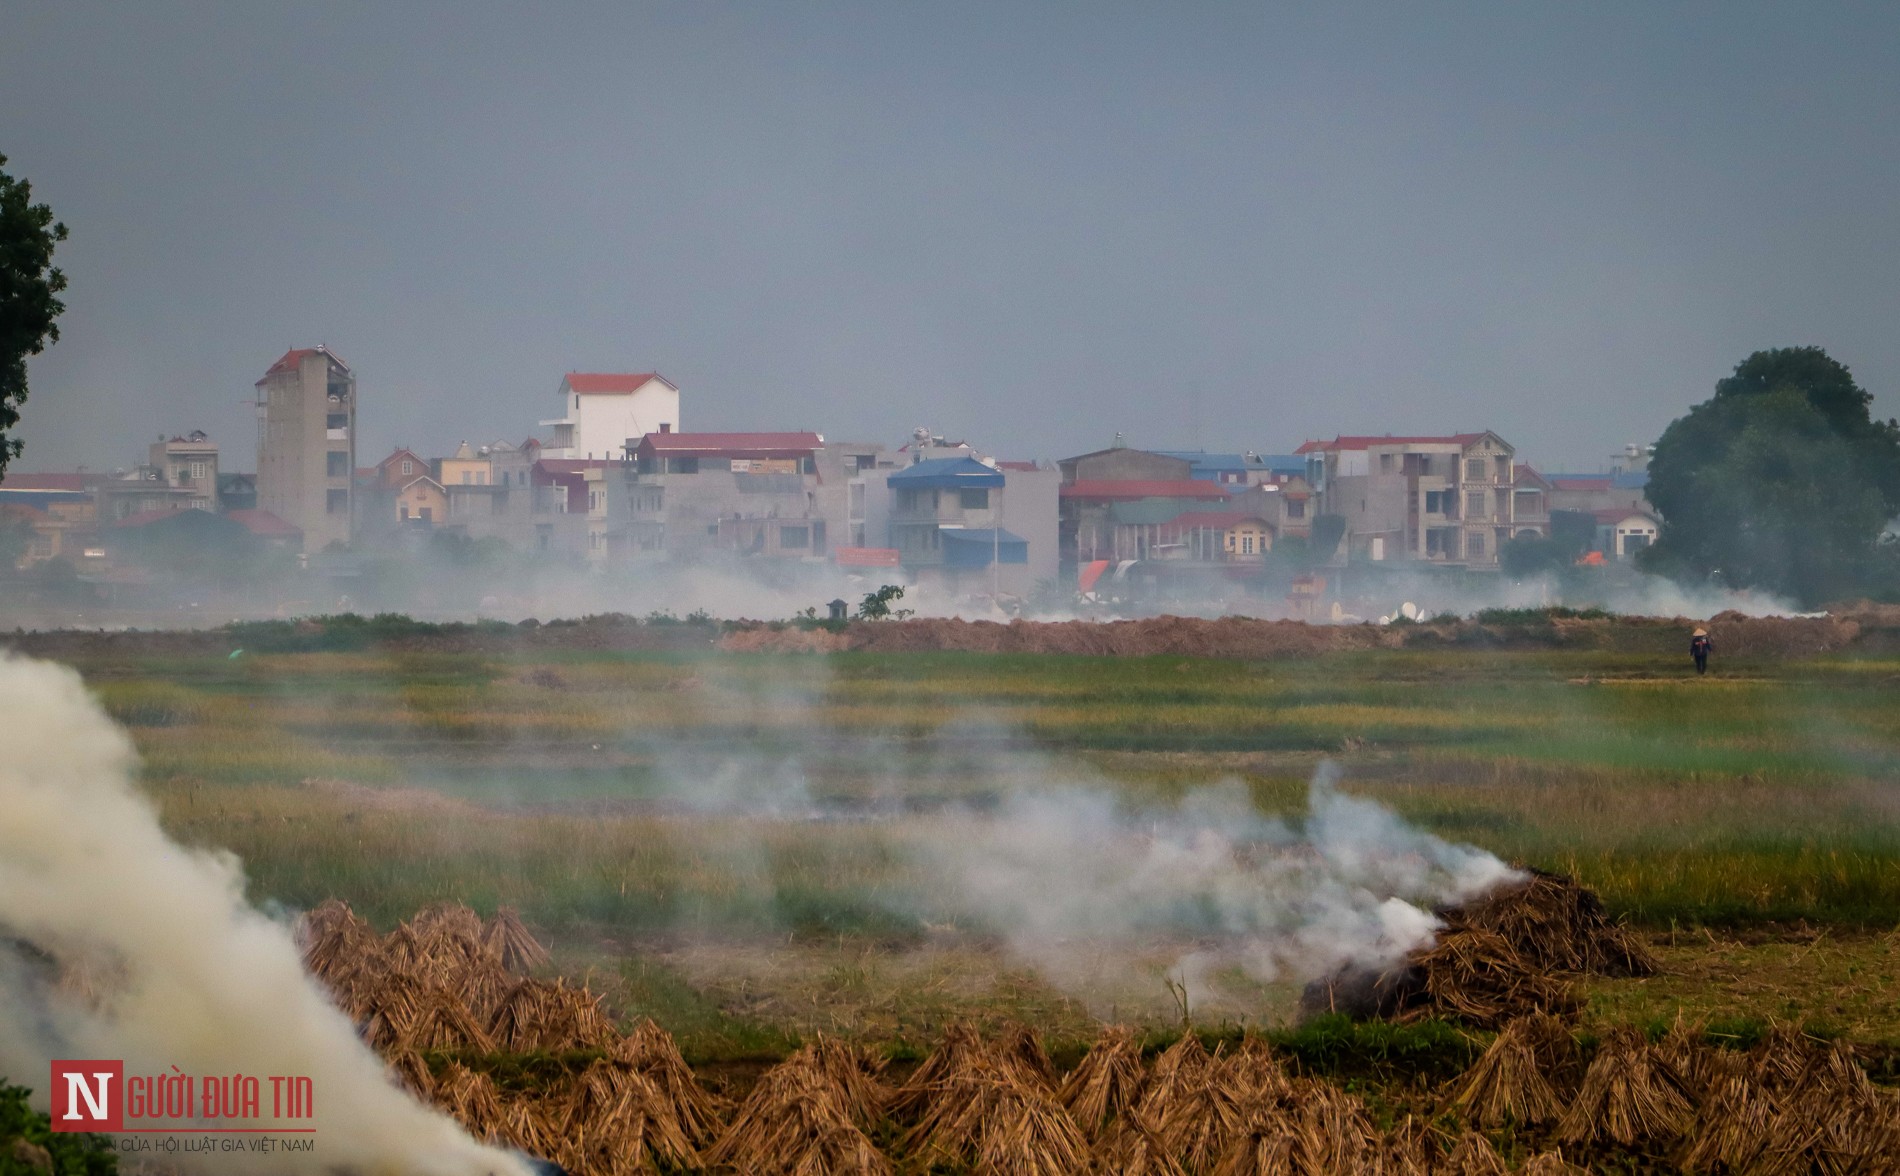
{"x": 88, "y": 1096}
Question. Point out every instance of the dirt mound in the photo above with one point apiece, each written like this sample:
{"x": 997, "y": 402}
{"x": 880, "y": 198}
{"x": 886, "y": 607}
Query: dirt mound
{"x": 766, "y": 639}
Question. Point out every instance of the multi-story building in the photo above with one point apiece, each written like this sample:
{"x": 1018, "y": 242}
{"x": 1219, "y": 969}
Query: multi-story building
{"x": 1111, "y": 499}
{"x": 969, "y": 525}
{"x": 189, "y": 463}
{"x": 605, "y": 413}
{"x": 1441, "y": 500}
{"x": 687, "y": 495}
{"x": 306, "y": 444}
{"x": 59, "y": 510}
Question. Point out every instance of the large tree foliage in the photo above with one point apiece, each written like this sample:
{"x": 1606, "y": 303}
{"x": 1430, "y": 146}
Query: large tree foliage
{"x": 1781, "y": 481}
{"x": 29, "y": 302}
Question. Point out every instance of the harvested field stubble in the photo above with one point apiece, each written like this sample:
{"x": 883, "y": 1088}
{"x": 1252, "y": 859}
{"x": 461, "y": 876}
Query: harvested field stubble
{"x": 600, "y": 1102}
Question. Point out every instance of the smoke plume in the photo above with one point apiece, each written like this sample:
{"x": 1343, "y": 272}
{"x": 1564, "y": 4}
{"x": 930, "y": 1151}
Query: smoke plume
{"x": 198, "y": 979}
{"x": 1058, "y": 872}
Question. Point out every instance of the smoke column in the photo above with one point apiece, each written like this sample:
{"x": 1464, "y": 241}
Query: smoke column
{"x": 209, "y": 984}
{"x": 1056, "y": 869}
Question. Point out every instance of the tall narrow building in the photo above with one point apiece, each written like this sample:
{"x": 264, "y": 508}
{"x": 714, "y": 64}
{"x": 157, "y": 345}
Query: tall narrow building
{"x": 306, "y": 444}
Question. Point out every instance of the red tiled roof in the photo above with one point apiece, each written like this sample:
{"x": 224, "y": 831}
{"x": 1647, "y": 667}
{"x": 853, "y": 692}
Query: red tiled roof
{"x": 50, "y": 481}
{"x": 294, "y": 358}
{"x": 263, "y": 522}
{"x": 611, "y": 383}
{"x": 734, "y": 444}
{"x": 1122, "y": 491}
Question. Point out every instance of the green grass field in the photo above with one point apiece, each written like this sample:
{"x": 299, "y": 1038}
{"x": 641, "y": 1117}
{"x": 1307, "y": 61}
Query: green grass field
{"x": 595, "y": 792}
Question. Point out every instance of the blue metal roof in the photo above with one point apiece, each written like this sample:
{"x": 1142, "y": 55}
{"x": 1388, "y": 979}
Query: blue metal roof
{"x": 947, "y": 473}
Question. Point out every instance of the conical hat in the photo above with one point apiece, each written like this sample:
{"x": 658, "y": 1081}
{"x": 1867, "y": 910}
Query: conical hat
{"x": 1700, "y": 633}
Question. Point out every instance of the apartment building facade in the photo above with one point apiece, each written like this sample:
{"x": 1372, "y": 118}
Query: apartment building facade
{"x": 1450, "y": 500}
{"x": 306, "y": 445}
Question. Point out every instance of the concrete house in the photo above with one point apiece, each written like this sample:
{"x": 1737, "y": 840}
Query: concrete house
{"x": 1448, "y": 500}
{"x": 688, "y": 495}
{"x": 1621, "y": 533}
{"x": 949, "y": 523}
{"x": 306, "y": 452}
{"x": 605, "y": 412}
{"x": 1111, "y": 501}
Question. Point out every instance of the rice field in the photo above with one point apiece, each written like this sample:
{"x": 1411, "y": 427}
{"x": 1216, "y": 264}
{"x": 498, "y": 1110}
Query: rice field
{"x": 726, "y": 841}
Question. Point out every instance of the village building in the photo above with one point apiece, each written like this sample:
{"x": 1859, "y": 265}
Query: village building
{"x": 604, "y": 413}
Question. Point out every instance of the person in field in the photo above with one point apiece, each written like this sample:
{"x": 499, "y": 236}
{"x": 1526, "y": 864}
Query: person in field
{"x": 1699, "y": 648}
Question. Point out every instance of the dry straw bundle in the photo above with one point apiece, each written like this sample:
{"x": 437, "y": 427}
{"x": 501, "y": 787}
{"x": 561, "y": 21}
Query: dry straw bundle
{"x": 985, "y": 1115}
{"x": 795, "y": 1123}
{"x": 1019, "y": 1046}
{"x": 1630, "y": 1095}
{"x": 962, "y": 1046}
{"x": 652, "y": 1051}
{"x": 1511, "y": 1081}
{"x": 1198, "y": 1105}
{"x": 1473, "y": 1155}
{"x": 472, "y": 1099}
{"x": 1107, "y": 1082}
{"x": 443, "y": 1022}
{"x": 616, "y": 1120}
{"x": 544, "y": 1016}
{"x": 1551, "y": 1163}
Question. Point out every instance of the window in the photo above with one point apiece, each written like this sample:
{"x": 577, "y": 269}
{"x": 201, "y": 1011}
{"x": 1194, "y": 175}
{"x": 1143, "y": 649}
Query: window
{"x": 1474, "y": 545}
{"x": 1295, "y": 508}
{"x": 408, "y": 467}
{"x": 1474, "y": 504}
{"x": 1474, "y": 470}
{"x": 336, "y": 464}
{"x": 336, "y": 501}
{"x": 977, "y": 499}
{"x": 403, "y": 512}
{"x": 1434, "y": 502}
{"x": 1246, "y": 544}
{"x": 198, "y": 471}
{"x": 1385, "y": 463}
{"x": 796, "y": 538}
{"x": 337, "y": 420}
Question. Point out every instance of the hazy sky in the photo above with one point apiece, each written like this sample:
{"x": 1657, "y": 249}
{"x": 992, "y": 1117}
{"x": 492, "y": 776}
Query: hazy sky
{"x": 1033, "y": 225}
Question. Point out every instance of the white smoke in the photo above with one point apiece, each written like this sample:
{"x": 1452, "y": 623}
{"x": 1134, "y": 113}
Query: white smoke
{"x": 1060, "y": 872}
{"x": 204, "y": 982}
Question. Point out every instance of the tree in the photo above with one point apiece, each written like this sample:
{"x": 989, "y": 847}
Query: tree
{"x": 1527, "y": 557}
{"x": 29, "y": 286}
{"x": 1782, "y": 481}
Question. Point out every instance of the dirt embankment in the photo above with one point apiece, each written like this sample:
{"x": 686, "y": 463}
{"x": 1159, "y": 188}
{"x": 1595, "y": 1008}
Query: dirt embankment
{"x": 1245, "y": 637}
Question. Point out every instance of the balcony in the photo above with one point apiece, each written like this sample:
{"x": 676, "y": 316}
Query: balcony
{"x": 336, "y": 434}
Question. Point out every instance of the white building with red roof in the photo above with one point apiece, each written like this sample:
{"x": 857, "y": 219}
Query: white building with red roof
{"x": 604, "y": 414}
